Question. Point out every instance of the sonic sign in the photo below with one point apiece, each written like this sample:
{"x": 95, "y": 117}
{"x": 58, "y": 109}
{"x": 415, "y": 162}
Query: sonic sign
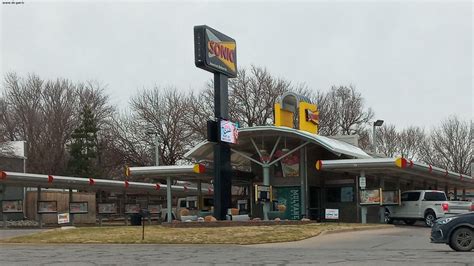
{"x": 214, "y": 51}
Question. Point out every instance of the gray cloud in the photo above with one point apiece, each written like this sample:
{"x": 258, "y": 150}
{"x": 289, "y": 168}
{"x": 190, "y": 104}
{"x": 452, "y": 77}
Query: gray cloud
{"x": 411, "y": 61}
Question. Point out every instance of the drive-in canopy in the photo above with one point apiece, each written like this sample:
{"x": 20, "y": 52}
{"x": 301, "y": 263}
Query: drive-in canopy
{"x": 397, "y": 167}
{"x": 89, "y": 184}
{"x": 267, "y": 136}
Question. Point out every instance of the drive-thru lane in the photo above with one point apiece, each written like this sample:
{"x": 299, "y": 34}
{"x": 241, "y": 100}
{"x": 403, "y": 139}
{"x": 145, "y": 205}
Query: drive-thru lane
{"x": 401, "y": 245}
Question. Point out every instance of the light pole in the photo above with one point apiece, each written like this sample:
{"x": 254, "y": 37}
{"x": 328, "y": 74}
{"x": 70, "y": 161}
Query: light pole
{"x": 168, "y": 179}
{"x": 377, "y": 123}
{"x": 157, "y": 146}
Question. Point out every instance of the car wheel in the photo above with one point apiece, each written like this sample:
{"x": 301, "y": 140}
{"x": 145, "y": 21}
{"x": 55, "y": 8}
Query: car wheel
{"x": 409, "y": 221}
{"x": 462, "y": 239}
{"x": 430, "y": 217}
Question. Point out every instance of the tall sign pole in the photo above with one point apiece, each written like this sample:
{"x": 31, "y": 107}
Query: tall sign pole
{"x": 216, "y": 53}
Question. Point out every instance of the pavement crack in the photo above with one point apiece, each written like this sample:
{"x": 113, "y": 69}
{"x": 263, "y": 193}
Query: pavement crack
{"x": 381, "y": 244}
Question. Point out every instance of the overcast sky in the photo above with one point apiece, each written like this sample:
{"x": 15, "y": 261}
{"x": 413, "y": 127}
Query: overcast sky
{"x": 412, "y": 61}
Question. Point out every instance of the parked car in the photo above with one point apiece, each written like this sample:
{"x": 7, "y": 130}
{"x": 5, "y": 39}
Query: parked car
{"x": 455, "y": 231}
{"x": 424, "y": 205}
{"x": 460, "y": 207}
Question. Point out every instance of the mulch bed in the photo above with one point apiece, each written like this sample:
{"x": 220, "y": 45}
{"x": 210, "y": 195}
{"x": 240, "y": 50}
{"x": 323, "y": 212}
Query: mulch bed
{"x": 232, "y": 223}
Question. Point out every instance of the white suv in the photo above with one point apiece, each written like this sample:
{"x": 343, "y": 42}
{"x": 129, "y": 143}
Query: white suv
{"x": 426, "y": 205}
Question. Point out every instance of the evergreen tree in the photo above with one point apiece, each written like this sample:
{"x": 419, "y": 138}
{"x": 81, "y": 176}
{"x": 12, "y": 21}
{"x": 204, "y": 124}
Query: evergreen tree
{"x": 84, "y": 152}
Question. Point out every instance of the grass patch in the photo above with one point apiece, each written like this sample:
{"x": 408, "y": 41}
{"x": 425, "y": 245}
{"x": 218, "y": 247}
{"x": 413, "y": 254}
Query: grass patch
{"x": 156, "y": 234}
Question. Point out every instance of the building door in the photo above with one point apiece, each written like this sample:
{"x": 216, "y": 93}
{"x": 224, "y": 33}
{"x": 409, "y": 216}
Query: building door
{"x": 315, "y": 203}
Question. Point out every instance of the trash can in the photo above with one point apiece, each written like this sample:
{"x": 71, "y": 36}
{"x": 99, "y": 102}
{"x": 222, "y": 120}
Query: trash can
{"x": 136, "y": 219}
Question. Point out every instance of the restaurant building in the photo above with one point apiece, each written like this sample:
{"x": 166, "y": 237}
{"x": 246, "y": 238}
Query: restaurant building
{"x": 321, "y": 177}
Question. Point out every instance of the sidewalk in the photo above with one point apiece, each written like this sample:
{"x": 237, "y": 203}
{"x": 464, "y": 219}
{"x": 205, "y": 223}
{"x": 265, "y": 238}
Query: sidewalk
{"x": 7, "y": 233}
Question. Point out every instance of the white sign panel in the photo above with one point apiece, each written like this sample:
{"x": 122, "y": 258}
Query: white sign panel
{"x": 229, "y": 132}
{"x": 362, "y": 182}
{"x": 332, "y": 214}
{"x": 63, "y": 218}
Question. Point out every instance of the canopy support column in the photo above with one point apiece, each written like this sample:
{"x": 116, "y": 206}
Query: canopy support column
{"x": 38, "y": 199}
{"x": 266, "y": 182}
{"x": 168, "y": 200}
{"x": 71, "y": 215}
{"x": 304, "y": 182}
{"x": 363, "y": 209}
{"x": 382, "y": 208}
{"x": 124, "y": 204}
{"x": 200, "y": 203}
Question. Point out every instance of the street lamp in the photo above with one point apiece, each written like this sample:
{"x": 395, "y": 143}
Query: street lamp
{"x": 157, "y": 146}
{"x": 377, "y": 123}
{"x": 168, "y": 179}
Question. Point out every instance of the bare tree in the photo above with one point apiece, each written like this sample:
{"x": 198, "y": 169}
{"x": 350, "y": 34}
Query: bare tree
{"x": 200, "y": 108}
{"x": 410, "y": 141}
{"x": 253, "y": 94}
{"x": 44, "y": 113}
{"x": 328, "y": 117}
{"x": 127, "y": 144}
{"x": 59, "y": 120}
{"x": 24, "y": 100}
{"x": 163, "y": 112}
{"x": 7, "y": 125}
{"x": 348, "y": 105}
{"x": 387, "y": 140}
{"x": 450, "y": 145}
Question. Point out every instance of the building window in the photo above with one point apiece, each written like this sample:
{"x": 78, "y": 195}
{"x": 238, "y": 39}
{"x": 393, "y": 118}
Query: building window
{"x": 340, "y": 194}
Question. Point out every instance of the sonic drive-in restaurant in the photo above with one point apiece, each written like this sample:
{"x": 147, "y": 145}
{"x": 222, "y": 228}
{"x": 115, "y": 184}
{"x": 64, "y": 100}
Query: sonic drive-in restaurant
{"x": 293, "y": 172}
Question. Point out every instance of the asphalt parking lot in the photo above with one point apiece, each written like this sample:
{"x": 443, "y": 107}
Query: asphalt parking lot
{"x": 401, "y": 245}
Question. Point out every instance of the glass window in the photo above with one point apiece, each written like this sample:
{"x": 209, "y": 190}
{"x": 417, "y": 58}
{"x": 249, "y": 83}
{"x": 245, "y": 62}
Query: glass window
{"x": 347, "y": 194}
{"x": 340, "y": 194}
{"x": 410, "y": 196}
{"x": 435, "y": 196}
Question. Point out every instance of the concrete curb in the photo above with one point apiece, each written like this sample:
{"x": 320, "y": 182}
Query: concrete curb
{"x": 365, "y": 228}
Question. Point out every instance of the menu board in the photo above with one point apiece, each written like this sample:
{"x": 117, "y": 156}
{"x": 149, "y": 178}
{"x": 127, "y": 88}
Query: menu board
{"x": 47, "y": 207}
{"x": 107, "y": 208}
{"x": 263, "y": 193}
{"x": 78, "y": 207}
{"x": 12, "y": 206}
{"x": 154, "y": 209}
{"x": 370, "y": 197}
{"x": 132, "y": 208}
